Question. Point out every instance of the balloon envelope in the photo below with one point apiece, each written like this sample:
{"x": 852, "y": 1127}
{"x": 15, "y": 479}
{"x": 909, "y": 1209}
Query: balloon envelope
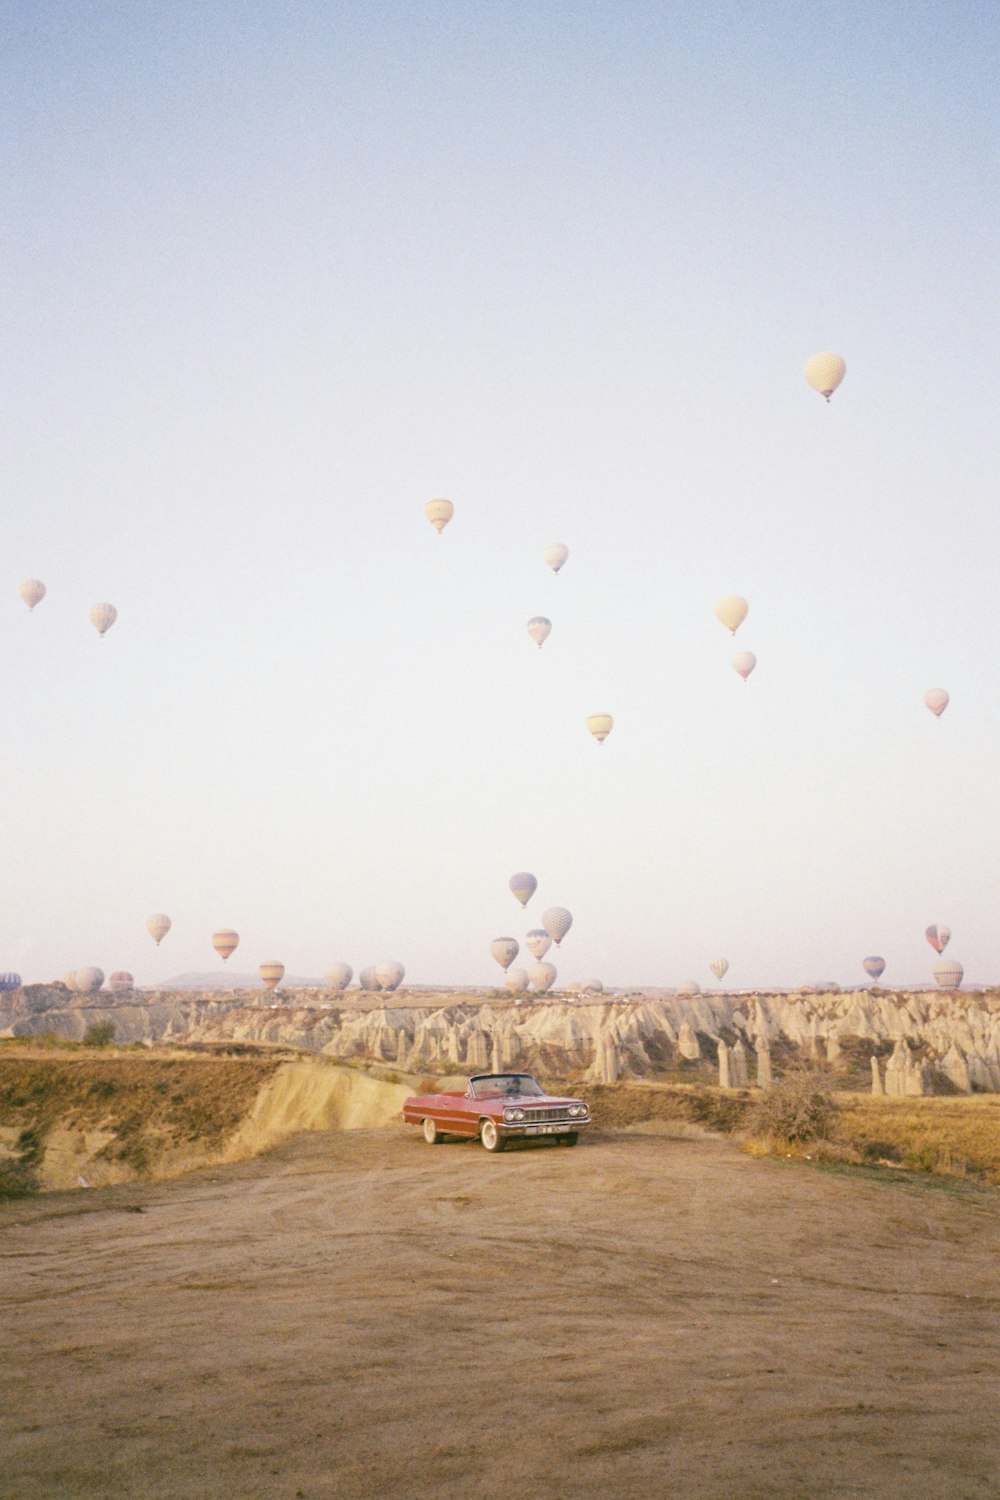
{"x": 600, "y": 726}
{"x": 32, "y": 591}
{"x": 89, "y": 981}
{"x": 555, "y": 555}
{"x": 949, "y": 974}
{"x": 539, "y": 628}
{"x": 824, "y": 372}
{"x": 732, "y": 610}
{"x": 515, "y": 979}
{"x": 102, "y": 617}
{"x": 938, "y": 937}
{"x": 120, "y": 982}
{"x": 873, "y": 966}
{"x": 225, "y": 941}
{"x": 719, "y": 967}
{"x": 505, "y": 950}
{"x": 557, "y": 921}
{"x": 271, "y": 972}
{"x": 937, "y": 700}
{"x": 538, "y": 942}
{"x": 524, "y": 885}
{"x": 11, "y": 981}
{"x": 338, "y": 976}
{"x": 439, "y": 512}
{"x": 744, "y": 663}
{"x": 389, "y": 975}
{"x": 158, "y": 925}
{"x": 542, "y": 976}
{"x": 366, "y": 979}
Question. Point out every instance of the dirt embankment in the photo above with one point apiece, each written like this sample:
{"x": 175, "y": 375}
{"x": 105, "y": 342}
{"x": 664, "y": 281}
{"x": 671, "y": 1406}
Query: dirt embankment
{"x": 86, "y": 1120}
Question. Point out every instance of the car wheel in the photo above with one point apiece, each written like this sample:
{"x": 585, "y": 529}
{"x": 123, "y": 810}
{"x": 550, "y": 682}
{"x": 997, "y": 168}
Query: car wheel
{"x": 569, "y": 1139}
{"x": 432, "y": 1135}
{"x": 490, "y": 1136}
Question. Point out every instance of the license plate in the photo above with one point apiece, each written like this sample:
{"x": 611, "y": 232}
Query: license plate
{"x": 544, "y": 1129}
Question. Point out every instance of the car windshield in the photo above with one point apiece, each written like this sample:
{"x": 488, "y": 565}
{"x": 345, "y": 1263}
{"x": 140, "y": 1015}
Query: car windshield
{"x": 502, "y": 1085}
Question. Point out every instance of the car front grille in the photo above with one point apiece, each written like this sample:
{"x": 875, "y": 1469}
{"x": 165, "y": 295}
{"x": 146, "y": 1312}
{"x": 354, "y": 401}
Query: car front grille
{"x": 536, "y": 1116}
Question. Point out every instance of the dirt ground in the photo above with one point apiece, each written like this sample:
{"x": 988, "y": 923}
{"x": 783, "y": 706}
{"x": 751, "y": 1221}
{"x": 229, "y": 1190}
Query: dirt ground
{"x": 361, "y": 1315}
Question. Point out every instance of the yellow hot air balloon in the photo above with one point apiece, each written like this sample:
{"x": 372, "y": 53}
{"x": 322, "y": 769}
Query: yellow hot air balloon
{"x": 271, "y": 973}
{"x": 824, "y": 373}
{"x": 600, "y": 726}
{"x": 732, "y": 610}
{"x": 102, "y": 617}
{"x": 158, "y": 926}
{"x": 225, "y": 941}
{"x": 439, "y": 512}
{"x": 32, "y": 591}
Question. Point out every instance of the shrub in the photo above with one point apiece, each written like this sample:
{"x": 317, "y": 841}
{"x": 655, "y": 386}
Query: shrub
{"x": 797, "y": 1109}
{"x": 99, "y": 1034}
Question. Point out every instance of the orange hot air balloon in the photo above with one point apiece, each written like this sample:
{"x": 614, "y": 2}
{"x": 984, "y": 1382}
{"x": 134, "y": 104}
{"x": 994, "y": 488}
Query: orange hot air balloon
{"x": 271, "y": 973}
{"x": 225, "y": 941}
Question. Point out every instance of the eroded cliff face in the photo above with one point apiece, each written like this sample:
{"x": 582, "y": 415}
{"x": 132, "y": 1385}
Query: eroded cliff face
{"x": 924, "y": 1040}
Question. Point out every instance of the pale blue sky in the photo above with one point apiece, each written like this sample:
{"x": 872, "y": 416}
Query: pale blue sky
{"x": 275, "y": 274}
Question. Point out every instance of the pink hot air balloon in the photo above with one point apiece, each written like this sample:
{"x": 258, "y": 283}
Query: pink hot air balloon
{"x": 937, "y": 701}
{"x": 874, "y": 967}
{"x": 938, "y": 938}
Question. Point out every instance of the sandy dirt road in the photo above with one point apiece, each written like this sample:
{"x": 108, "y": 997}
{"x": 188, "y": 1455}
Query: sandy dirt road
{"x": 359, "y": 1314}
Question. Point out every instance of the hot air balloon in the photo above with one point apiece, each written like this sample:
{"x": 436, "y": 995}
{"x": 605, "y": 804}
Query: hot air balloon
{"x": 557, "y": 921}
{"x": 271, "y": 973}
{"x": 719, "y": 967}
{"x": 689, "y": 987}
{"x": 89, "y": 981}
{"x": 555, "y": 555}
{"x": 744, "y": 663}
{"x": 541, "y": 976}
{"x": 225, "y": 941}
{"x": 338, "y": 976}
{"x": 69, "y": 980}
{"x": 539, "y": 628}
{"x": 600, "y": 726}
{"x": 873, "y": 966}
{"x": 102, "y": 617}
{"x": 590, "y": 987}
{"x": 824, "y": 372}
{"x": 366, "y": 979}
{"x": 938, "y": 938}
{"x": 389, "y": 975}
{"x": 516, "y": 979}
{"x": 937, "y": 701}
{"x": 949, "y": 974}
{"x": 524, "y": 885}
{"x": 158, "y": 925}
{"x": 120, "y": 982}
{"x": 732, "y": 610}
{"x": 439, "y": 512}
{"x": 505, "y": 950}
{"x": 12, "y": 981}
{"x": 538, "y": 942}
{"x": 32, "y": 591}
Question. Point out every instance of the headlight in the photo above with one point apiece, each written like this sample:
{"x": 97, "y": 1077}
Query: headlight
{"x": 508, "y": 1114}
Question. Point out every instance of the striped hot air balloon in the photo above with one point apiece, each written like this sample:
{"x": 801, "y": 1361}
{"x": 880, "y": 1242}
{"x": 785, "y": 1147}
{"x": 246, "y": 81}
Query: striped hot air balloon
{"x": 439, "y": 512}
{"x": 938, "y": 937}
{"x": 949, "y": 974}
{"x": 271, "y": 973}
{"x": 11, "y": 981}
{"x": 600, "y": 726}
{"x": 719, "y": 967}
{"x": 102, "y": 617}
{"x": 158, "y": 925}
{"x": 225, "y": 942}
{"x": 874, "y": 966}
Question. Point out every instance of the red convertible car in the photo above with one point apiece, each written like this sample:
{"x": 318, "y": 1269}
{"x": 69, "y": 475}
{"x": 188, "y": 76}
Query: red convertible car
{"x": 498, "y": 1107}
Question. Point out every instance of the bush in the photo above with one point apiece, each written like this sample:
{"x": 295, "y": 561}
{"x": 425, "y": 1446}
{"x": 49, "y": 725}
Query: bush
{"x": 99, "y": 1034}
{"x": 797, "y": 1109}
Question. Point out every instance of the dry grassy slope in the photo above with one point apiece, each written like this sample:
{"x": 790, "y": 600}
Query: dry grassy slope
{"x": 74, "y": 1119}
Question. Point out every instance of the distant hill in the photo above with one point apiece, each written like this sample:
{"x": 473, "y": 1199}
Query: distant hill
{"x": 230, "y": 979}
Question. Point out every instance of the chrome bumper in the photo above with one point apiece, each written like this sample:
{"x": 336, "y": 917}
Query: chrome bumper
{"x": 543, "y": 1127}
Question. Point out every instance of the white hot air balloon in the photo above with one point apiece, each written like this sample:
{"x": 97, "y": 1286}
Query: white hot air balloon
{"x": 524, "y": 885}
{"x": 689, "y": 987}
{"x": 732, "y": 610}
{"x": 555, "y": 555}
{"x": 89, "y": 981}
{"x": 542, "y": 976}
{"x": 538, "y": 942}
{"x": 949, "y": 974}
{"x": 824, "y": 372}
{"x": 102, "y": 617}
{"x": 539, "y": 628}
{"x": 600, "y": 726}
{"x": 719, "y": 967}
{"x": 366, "y": 979}
{"x": 516, "y": 980}
{"x": 505, "y": 950}
{"x": 158, "y": 925}
{"x": 744, "y": 663}
{"x": 338, "y": 976}
{"x": 937, "y": 700}
{"x": 557, "y": 921}
{"x": 439, "y": 512}
{"x": 32, "y": 591}
{"x": 389, "y": 975}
